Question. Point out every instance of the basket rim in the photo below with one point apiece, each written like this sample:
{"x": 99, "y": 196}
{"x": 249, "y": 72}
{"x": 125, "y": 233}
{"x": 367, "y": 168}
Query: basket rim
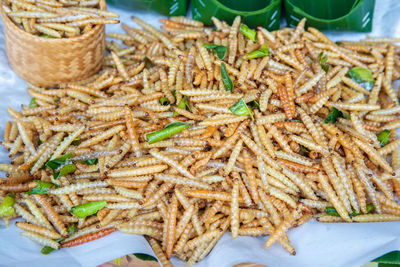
{"x": 7, "y": 20}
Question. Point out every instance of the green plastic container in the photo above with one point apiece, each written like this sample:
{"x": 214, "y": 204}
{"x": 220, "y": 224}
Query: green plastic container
{"x": 254, "y": 13}
{"x": 164, "y": 7}
{"x": 341, "y": 15}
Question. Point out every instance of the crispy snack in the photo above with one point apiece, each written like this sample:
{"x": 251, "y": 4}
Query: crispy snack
{"x": 58, "y": 19}
{"x": 158, "y": 144}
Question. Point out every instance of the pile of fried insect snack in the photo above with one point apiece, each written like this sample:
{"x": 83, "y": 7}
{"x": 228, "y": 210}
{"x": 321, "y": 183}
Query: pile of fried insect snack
{"x": 191, "y": 132}
{"x": 58, "y": 19}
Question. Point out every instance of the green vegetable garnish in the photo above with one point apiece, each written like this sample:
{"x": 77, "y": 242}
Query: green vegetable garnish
{"x": 363, "y": 77}
{"x": 46, "y": 36}
{"x": 144, "y": 257}
{"x": 168, "y": 131}
{"x": 240, "y": 108}
{"x": 76, "y": 142}
{"x": 254, "y": 104}
{"x": 322, "y": 60}
{"x": 47, "y": 250}
{"x": 90, "y": 161}
{"x": 345, "y": 116}
{"x": 332, "y": 211}
{"x": 41, "y": 188}
{"x": 183, "y": 104}
{"x": 39, "y": 142}
{"x": 164, "y": 101}
{"x": 148, "y": 62}
{"x": 6, "y": 207}
{"x": 33, "y": 103}
{"x": 261, "y": 52}
{"x": 249, "y": 33}
{"x": 334, "y": 114}
{"x": 304, "y": 149}
{"x": 87, "y": 209}
{"x": 226, "y": 80}
{"x": 55, "y": 163}
{"x": 71, "y": 229}
{"x": 220, "y": 50}
{"x": 383, "y": 137}
{"x": 369, "y": 207}
{"x": 294, "y": 120}
{"x": 66, "y": 167}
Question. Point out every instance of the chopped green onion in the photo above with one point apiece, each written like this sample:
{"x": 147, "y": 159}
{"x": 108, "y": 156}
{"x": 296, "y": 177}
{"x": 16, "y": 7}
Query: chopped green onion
{"x": 383, "y": 137}
{"x": 220, "y": 50}
{"x": 6, "y": 207}
{"x": 263, "y": 51}
{"x": 164, "y": 101}
{"x": 363, "y": 77}
{"x": 66, "y": 169}
{"x": 144, "y": 257}
{"x": 240, "y": 108}
{"x": 87, "y": 209}
{"x": 228, "y": 84}
{"x": 46, "y": 36}
{"x": 41, "y": 188}
{"x": 249, "y": 33}
{"x": 168, "y": 131}
{"x": 322, "y": 60}
{"x": 89, "y": 161}
{"x": 334, "y": 114}
{"x": 33, "y": 103}
{"x": 39, "y": 142}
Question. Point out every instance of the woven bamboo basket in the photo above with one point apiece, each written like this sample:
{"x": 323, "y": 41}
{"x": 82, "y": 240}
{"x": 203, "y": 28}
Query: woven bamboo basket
{"x": 49, "y": 61}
